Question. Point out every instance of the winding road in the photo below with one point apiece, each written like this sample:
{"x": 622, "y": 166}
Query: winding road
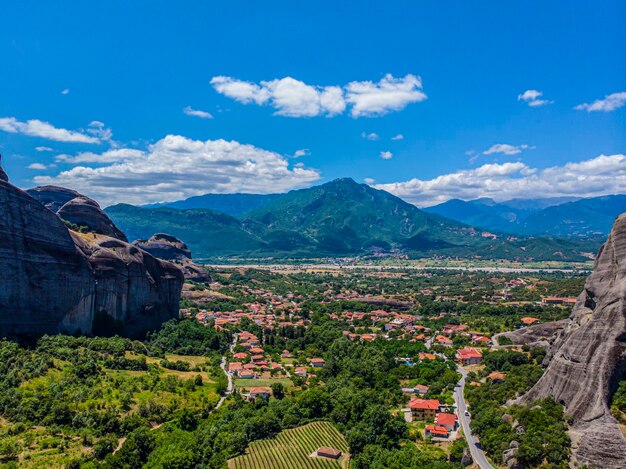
{"x": 229, "y": 388}
{"x": 478, "y": 455}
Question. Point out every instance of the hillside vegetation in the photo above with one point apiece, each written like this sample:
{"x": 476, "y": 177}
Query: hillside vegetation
{"x": 340, "y": 218}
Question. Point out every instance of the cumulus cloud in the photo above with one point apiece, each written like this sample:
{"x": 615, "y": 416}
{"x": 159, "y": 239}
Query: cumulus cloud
{"x": 610, "y": 102}
{"x": 605, "y": 174}
{"x": 370, "y": 136}
{"x": 37, "y": 128}
{"x": 243, "y": 91}
{"x": 301, "y": 152}
{"x": 39, "y": 166}
{"x": 294, "y": 98}
{"x": 506, "y": 149}
{"x": 533, "y": 98}
{"x": 109, "y": 156}
{"x": 397, "y": 137}
{"x": 389, "y": 94}
{"x": 369, "y": 180}
{"x": 177, "y": 167}
{"x": 44, "y": 149}
{"x": 197, "y": 113}
{"x": 65, "y": 91}
{"x": 386, "y": 155}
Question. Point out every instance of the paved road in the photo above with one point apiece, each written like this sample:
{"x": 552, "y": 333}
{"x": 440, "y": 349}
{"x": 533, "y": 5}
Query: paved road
{"x": 477, "y": 454}
{"x": 229, "y": 388}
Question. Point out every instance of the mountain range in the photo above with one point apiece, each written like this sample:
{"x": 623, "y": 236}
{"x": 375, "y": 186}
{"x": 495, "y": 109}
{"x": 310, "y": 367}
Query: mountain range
{"x": 339, "y": 218}
{"x": 582, "y": 218}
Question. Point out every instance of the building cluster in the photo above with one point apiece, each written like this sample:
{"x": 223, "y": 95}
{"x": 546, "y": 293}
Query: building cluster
{"x": 431, "y": 410}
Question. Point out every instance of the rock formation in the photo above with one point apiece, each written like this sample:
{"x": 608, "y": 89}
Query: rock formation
{"x": 588, "y": 356}
{"x": 172, "y": 249}
{"x": 55, "y": 280}
{"x": 77, "y": 209}
{"x": 3, "y": 175}
{"x": 53, "y": 197}
{"x": 83, "y": 211}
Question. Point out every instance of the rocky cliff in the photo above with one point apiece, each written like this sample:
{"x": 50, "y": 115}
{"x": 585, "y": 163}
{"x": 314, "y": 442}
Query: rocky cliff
{"x": 77, "y": 209}
{"x": 588, "y": 356}
{"x": 172, "y": 249}
{"x": 55, "y": 280}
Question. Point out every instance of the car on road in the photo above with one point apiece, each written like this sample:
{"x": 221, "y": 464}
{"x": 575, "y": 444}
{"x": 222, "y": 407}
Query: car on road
{"x": 467, "y": 414}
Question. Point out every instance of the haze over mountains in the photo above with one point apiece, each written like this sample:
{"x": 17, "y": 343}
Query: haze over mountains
{"x": 341, "y": 217}
{"x": 590, "y": 217}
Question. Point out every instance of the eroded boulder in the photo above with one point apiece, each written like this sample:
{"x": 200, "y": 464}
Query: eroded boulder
{"x": 172, "y": 249}
{"x": 85, "y": 212}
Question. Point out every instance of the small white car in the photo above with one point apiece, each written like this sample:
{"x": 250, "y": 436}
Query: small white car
{"x": 467, "y": 414}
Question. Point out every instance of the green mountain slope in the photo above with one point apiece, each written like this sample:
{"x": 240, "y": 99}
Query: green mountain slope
{"x": 340, "y": 218}
{"x": 206, "y": 232}
{"x": 231, "y": 204}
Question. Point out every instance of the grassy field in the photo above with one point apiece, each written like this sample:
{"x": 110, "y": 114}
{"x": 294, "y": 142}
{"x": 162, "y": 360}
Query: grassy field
{"x": 293, "y": 448}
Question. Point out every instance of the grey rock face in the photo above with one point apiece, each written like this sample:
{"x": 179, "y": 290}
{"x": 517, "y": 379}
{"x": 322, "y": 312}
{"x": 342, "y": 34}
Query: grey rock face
{"x": 83, "y": 211}
{"x": 132, "y": 287}
{"x": 172, "y": 249}
{"x": 588, "y": 356}
{"x": 54, "y": 280}
{"x": 53, "y": 197}
{"x": 3, "y": 175}
{"x": 75, "y": 208}
{"x": 45, "y": 279}
{"x": 466, "y": 459}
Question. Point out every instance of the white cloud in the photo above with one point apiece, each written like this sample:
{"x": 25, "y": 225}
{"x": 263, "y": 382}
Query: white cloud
{"x": 370, "y": 136}
{"x": 294, "y": 98}
{"x": 301, "y": 152}
{"x": 369, "y": 180}
{"x": 532, "y": 98}
{"x": 242, "y": 91}
{"x": 506, "y": 149}
{"x": 37, "y": 166}
{"x": 610, "y": 102}
{"x": 598, "y": 176}
{"x": 65, "y": 91}
{"x": 37, "y": 128}
{"x": 386, "y": 155}
{"x": 100, "y": 131}
{"x": 177, "y": 167}
{"x": 389, "y": 94}
{"x": 44, "y": 149}
{"x": 109, "y": 156}
{"x": 197, "y": 113}
{"x": 397, "y": 137}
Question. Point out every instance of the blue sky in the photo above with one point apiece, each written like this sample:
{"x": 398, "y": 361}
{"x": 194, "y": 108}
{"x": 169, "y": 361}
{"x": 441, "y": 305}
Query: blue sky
{"x": 448, "y": 77}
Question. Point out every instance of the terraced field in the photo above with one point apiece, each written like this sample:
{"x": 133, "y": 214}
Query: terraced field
{"x": 293, "y": 449}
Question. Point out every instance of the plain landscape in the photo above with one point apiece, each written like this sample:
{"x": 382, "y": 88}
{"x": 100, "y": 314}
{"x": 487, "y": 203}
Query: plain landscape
{"x": 243, "y": 235}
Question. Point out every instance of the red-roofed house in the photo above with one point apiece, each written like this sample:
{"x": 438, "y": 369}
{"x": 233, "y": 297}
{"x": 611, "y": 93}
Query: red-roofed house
{"x": 469, "y": 356}
{"x": 436, "y": 431}
{"x": 317, "y": 362}
{"x": 442, "y": 340}
{"x": 424, "y": 409}
{"x": 263, "y": 393}
{"x": 300, "y": 371}
{"x": 446, "y": 420}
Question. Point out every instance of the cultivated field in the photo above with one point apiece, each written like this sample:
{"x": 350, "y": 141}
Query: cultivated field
{"x": 294, "y": 448}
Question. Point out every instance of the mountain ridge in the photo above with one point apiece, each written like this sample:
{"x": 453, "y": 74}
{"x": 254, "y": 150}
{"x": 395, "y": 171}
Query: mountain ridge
{"x": 338, "y": 218}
